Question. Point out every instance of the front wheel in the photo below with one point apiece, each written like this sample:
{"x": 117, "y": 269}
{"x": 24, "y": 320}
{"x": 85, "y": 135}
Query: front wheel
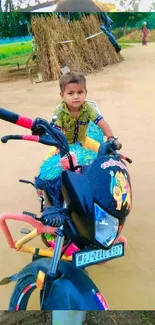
{"x": 22, "y": 293}
{"x": 73, "y": 290}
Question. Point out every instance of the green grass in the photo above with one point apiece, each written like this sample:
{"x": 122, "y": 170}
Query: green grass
{"x": 14, "y": 49}
{"x": 127, "y": 41}
{"x": 13, "y": 61}
{"x": 124, "y": 45}
{"x": 123, "y": 40}
{"x": 146, "y": 317}
{"x": 13, "y": 53}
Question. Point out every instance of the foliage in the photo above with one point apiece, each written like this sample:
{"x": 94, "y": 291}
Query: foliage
{"x": 129, "y": 18}
{"x": 119, "y": 32}
{"x": 13, "y": 24}
{"x": 150, "y": 19}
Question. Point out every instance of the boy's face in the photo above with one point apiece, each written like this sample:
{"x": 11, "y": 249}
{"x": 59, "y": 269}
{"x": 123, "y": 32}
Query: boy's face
{"x": 74, "y": 95}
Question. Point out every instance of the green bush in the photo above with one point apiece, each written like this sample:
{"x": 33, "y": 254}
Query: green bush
{"x": 119, "y": 32}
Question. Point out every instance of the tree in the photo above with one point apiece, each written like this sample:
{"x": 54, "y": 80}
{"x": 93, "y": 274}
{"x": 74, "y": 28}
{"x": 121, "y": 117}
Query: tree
{"x": 125, "y": 19}
{"x": 150, "y": 21}
{"x": 10, "y": 5}
{"x": 152, "y": 8}
{"x": 13, "y": 24}
{"x": 130, "y": 5}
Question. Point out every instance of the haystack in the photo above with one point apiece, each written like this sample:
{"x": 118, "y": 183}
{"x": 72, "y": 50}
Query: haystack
{"x": 136, "y": 36}
{"x": 79, "y": 54}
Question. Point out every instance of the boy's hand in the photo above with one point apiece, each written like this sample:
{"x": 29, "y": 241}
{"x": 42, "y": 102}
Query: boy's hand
{"x": 38, "y": 130}
{"x": 56, "y": 152}
{"x": 39, "y": 192}
{"x": 118, "y": 145}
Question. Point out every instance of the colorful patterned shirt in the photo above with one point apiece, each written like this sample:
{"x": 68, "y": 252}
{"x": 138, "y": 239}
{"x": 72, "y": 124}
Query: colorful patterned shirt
{"x": 76, "y": 129}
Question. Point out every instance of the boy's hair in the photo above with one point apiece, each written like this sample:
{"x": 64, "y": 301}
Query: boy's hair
{"x": 71, "y": 78}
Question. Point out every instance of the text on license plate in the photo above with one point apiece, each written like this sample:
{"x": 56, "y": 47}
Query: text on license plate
{"x": 90, "y": 257}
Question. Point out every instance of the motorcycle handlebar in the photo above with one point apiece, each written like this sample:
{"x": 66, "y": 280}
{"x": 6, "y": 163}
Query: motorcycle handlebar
{"x": 44, "y": 139}
{"x": 17, "y": 119}
{"x": 40, "y": 228}
{"x": 48, "y": 134}
{"x": 58, "y": 138}
{"x": 20, "y": 137}
{"x": 126, "y": 158}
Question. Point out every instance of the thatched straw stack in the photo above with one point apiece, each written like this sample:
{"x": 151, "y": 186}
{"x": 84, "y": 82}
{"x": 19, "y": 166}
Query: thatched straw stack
{"x": 80, "y": 55}
{"x": 136, "y": 36}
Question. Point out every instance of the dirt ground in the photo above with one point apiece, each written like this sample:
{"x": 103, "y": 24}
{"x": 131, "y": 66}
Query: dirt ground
{"x": 125, "y": 95}
{"x": 92, "y": 318}
{"x": 25, "y": 317}
{"x": 120, "y": 318}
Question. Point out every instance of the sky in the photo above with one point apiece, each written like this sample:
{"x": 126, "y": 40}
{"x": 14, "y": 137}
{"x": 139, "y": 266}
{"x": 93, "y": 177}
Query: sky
{"x": 144, "y": 5}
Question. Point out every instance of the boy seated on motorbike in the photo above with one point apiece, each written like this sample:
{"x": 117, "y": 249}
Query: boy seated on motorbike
{"x": 73, "y": 117}
{"x": 74, "y": 114}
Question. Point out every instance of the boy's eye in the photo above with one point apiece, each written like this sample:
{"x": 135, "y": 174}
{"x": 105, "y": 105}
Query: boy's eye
{"x": 72, "y": 93}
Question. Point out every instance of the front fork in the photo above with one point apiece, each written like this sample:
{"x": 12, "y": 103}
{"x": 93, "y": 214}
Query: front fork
{"x": 52, "y": 274}
{"x": 58, "y": 249}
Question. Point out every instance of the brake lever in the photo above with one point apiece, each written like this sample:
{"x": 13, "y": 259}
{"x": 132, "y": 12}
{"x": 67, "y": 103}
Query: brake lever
{"x": 126, "y": 158}
{"x": 10, "y": 137}
{"x": 26, "y": 182}
{"x": 114, "y": 152}
{"x": 45, "y": 139}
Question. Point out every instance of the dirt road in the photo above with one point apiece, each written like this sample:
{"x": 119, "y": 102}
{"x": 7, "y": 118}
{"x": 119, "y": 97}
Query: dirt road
{"x": 125, "y": 94}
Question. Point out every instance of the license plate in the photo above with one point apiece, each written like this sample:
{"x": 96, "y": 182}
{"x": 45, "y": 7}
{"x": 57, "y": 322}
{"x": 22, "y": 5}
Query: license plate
{"x": 90, "y": 257}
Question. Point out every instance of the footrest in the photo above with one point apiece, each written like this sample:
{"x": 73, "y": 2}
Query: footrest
{"x": 25, "y": 231}
{"x": 33, "y": 215}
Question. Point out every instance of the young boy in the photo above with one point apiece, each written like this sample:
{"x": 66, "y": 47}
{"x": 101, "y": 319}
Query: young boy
{"x": 74, "y": 113}
{"x": 73, "y": 116}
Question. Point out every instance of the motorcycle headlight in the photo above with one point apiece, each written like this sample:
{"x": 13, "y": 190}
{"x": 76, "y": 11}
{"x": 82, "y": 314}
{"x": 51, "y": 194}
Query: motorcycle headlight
{"x": 106, "y": 227}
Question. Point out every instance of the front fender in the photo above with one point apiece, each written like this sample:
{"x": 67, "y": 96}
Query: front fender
{"x": 73, "y": 290}
{"x": 30, "y": 269}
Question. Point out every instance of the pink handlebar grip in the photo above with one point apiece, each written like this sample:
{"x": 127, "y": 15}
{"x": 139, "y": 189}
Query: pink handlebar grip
{"x": 34, "y": 138}
{"x": 25, "y": 122}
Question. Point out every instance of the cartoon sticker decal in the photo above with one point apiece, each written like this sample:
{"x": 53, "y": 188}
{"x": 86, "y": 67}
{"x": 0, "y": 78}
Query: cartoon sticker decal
{"x": 120, "y": 189}
{"x": 112, "y": 163}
